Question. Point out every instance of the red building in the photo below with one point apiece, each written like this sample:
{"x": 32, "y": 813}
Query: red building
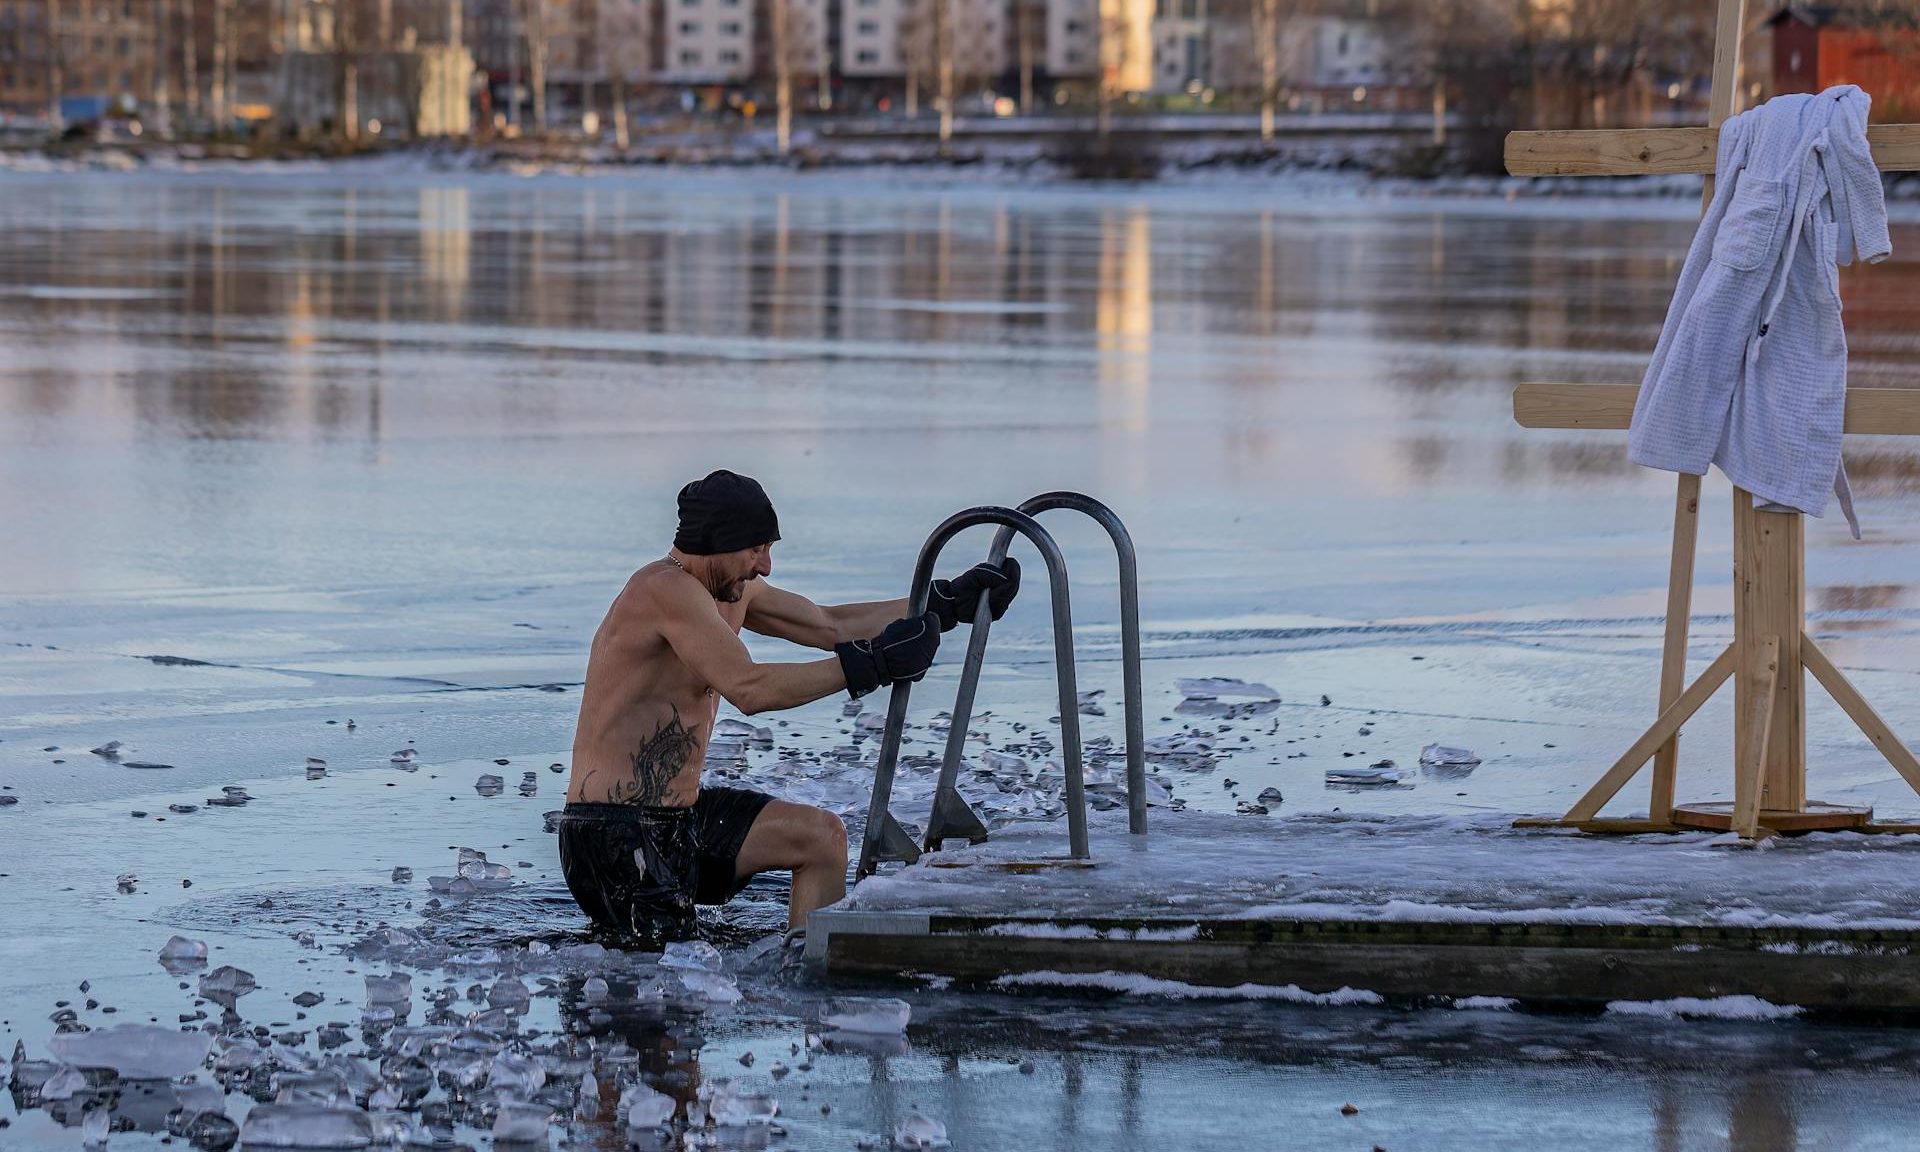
{"x": 1816, "y": 46}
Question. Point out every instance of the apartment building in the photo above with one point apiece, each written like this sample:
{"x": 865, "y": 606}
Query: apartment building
{"x": 106, "y": 49}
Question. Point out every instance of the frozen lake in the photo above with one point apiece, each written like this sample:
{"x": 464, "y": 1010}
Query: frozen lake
{"x": 380, "y": 445}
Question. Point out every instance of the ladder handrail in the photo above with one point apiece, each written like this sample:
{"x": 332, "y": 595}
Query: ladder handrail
{"x": 877, "y": 811}
{"x": 1129, "y": 655}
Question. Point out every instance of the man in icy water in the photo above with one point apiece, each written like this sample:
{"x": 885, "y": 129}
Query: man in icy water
{"x": 641, "y": 842}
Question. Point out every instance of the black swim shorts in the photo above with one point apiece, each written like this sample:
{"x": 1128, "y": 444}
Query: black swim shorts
{"x": 639, "y": 871}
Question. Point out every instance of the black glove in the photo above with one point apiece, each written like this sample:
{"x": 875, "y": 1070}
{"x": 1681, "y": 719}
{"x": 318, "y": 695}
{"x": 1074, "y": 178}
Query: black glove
{"x": 956, "y": 600}
{"x": 903, "y": 652}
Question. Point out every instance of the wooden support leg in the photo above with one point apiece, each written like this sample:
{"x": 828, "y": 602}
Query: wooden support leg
{"x": 1769, "y": 578}
{"x": 1861, "y": 712}
{"x": 1756, "y": 686}
{"x": 1673, "y": 655}
{"x": 1663, "y": 730}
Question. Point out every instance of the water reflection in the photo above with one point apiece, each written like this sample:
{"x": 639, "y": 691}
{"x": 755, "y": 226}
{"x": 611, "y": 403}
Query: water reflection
{"x": 272, "y": 308}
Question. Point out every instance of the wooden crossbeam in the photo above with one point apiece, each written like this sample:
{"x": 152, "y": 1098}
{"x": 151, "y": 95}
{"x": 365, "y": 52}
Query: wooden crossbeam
{"x": 1664, "y": 729}
{"x": 1668, "y": 151}
{"x": 1859, "y": 711}
{"x": 1870, "y": 411}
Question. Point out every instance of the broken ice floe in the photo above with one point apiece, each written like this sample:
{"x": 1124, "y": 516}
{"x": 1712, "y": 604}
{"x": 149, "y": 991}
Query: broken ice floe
{"x": 489, "y": 785}
{"x": 110, "y": 750}
{"x": 866, "y": 1015}
{"x": 732, "y": 1106}
{"x": 226, "y": 984}
{"x": 1215, "y": 687}
{"x": 643, "y": 1107}
{"x": 1378, "y": 774}
{"x": 474, "y": 874}
{"x": 920, "y": 1133}
{"x": 1443, "y": 761}
{"x": 180, "y": 955}
{"x": 134, "y": 1051}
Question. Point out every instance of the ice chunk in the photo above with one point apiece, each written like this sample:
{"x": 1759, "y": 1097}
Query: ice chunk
{"x": 395, "y": 989}
{"x": 918, "y": 1132}
{"x": 1380, "y": 772}
{"x": 1441, "y": 760}
{"x": 508, "y": 993}
{"x": 642, "y": 1107}
{"x": 95, "y": 1126}
{"x": 226, "y": 983}
{"x": 736, "y": 1107}
{"x": 1270, "y": 796}
{"x": 135, "y": 1051}
{"x": 179, "y": 954}
{"x": 691, "y": 954}
{"x": 306, "y": 1126}
{"x": 1089, "y": 702}
{"x": 710, "y": 986}
{"x": 862, "y": 1014}
{"x": 594, "y": 991}
{"x": 515, "y": 1077}
{"x": 63, "y": 1084}
{"x": 518, "y": 1123}
{"x": 489, "y": 784}
{"x": 111, "y": 750}
{"x": 1217, "y": 686}
{"x": 870, "y": 721}
{"x": 402, "y": 874}
{"x": 327, "y": 1089}
{"x": 211, "y": 1130}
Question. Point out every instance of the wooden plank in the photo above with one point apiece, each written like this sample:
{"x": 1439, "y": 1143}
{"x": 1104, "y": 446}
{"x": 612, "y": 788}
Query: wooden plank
{"x": 1769, "y": 587}
{"x": 1414, "y": 962}
{"x": 1862, "y": 713}
{"x": 1723, "y": 96}
{"x": 1759, "y": 676}
{"x": 1602, "y": 825}
{"x": 1673, "y": 653}
{"x": 1667, "y": 151}
{"x": 1870, "y": 411}
{"x": 1663, "y": 730}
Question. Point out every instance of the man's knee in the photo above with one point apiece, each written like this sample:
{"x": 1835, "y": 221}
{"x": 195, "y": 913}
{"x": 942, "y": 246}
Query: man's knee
{"x": 828, "y": 838}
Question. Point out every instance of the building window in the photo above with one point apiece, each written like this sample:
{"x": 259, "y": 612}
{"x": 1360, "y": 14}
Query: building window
{"x": 1073, "y": 55}
{"x": 869, "y": 28}
{"x": 1074, "y": 27}
{"x": 731, "y": 28}
{"x": 867, "y": 56}
{"x": 689, "y": 28}
{"x": 690, "y": 56}
{"x": 729, "y": 56}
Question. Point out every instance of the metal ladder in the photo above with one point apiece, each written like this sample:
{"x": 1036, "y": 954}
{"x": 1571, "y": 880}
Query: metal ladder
{"x": 884, "y": 838}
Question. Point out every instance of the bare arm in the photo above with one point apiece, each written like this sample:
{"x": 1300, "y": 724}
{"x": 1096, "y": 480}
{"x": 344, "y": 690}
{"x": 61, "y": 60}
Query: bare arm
{"x": 789, "y": 616}
{"x": 702, "y": 641}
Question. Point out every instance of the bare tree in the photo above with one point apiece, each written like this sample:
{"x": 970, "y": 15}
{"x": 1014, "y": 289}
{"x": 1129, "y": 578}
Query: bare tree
{"x": 790, "y": 54}
{"x": 56, "y": 59}
{"x": 919, "y": 48}
{"x": 536, "y": 30}
{"x": 625, "y": 36}
{"x": 1029, "y": 32}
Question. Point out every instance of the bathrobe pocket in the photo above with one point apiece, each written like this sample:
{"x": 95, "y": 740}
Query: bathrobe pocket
{"x": 1747, "y": 234}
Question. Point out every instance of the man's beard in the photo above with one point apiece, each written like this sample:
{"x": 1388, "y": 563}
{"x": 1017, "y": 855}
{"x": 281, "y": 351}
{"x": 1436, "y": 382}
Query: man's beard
{"x": 730, "y": 592}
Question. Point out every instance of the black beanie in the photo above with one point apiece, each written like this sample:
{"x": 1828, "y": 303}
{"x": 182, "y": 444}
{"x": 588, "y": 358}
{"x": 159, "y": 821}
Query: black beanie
{"x": 724, "y": 512}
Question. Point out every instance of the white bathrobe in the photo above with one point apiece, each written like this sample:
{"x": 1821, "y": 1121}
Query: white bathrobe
{"x": 1751, "y": 369}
